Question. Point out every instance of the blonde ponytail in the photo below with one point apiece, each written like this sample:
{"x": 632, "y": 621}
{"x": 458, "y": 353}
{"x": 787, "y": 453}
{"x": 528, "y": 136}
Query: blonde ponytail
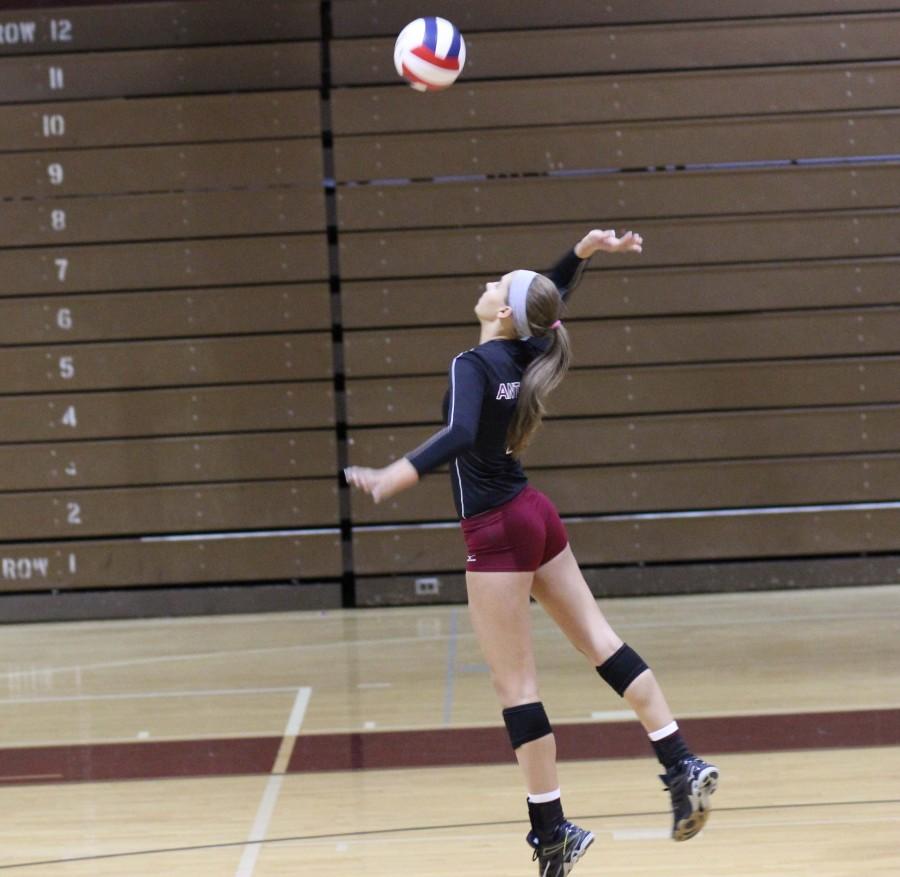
{"x": 544, "y": 374}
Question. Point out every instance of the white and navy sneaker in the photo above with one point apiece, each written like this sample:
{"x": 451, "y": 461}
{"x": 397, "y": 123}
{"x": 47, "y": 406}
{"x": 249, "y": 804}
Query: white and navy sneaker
{"x": 558, "y": 856}
{"x": 690, "y": 783}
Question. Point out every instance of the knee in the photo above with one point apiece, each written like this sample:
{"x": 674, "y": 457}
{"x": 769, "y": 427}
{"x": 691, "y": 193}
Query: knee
{"x": 526, "y": 723}
{"x": 515, "y": 691}
{"x": 602, "y": 648}
{"x": 622, "y": 669}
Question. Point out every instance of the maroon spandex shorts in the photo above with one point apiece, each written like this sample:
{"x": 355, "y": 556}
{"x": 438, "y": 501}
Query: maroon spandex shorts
{"x": 518, "y": 536}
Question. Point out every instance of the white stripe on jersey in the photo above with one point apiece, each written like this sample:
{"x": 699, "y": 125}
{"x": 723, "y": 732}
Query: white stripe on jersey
{"x": 462, "y": 502}
{"x": 439, "y": 435}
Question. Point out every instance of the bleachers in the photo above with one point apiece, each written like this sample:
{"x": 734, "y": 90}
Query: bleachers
{"x": 236, "y": 254}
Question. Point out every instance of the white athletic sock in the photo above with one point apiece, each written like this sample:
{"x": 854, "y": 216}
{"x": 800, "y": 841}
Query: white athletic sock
{"x": 545, "y": 797}
{"x": 656, "y": 736}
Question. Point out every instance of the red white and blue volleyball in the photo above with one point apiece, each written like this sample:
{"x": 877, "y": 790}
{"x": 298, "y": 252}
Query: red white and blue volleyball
{"x": 430, "y": 53}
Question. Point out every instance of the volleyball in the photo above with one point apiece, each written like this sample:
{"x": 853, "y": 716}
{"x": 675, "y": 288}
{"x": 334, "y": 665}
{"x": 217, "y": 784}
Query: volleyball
{"x": 430, "y": 53}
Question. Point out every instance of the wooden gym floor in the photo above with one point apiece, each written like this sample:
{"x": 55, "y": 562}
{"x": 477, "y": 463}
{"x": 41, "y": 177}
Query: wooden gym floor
{"x": 369, "y": 743}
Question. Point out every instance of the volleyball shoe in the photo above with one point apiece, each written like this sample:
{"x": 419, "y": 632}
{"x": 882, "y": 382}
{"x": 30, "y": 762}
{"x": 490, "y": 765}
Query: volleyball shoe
{"x": 690, "y": 784}
{"x": 558, "y": 856}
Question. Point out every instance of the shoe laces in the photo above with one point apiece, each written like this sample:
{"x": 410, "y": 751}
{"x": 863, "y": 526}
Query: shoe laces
{"x": 678, "y": 781}
{"x": 560, "y": 835}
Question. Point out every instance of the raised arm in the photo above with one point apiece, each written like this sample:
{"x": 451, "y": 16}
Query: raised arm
{"x": 566, "y": 273}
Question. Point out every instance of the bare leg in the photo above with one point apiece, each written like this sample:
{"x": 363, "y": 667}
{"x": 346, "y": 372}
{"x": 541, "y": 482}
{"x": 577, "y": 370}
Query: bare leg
{"x": 501, "y": 617}
{"x": 561, "y": 589}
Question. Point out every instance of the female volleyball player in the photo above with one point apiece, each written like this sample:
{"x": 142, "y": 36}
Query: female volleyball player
{"x": 517, "y": 545}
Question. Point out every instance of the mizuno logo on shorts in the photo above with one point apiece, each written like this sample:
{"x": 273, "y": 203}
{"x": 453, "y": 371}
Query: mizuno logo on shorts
{"x": 470, "y": 558}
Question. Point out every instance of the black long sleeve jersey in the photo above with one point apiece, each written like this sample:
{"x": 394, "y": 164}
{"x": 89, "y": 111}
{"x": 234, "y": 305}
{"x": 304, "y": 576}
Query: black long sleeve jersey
{"x": 477, "y": 410}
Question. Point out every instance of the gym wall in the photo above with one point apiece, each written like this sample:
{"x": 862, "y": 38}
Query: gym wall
{"x": 237, "y": 253}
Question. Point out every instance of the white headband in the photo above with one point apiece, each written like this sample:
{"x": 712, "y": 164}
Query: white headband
{"x": 518, "y": 296}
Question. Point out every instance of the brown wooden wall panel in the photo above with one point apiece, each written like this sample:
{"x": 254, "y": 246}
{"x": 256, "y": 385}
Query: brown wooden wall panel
{"x": 165, "y": 363}
{"x": 180, "y": 313}
{"x": 186, "y": 119}
{"x": 149, "y": 266}
{"x": 657, "y": 438}
{"x": 121, "y": 26}
{"x": 159, "y": 72}
{"x": 623, "y": 197}
{"x": 640, "y": 292}
{"x": 648, "y": 580}
{"x": 198, "y": 410}
{"x": 649, "y": 340}
{"x": 730, "y": 386}
{"x": 588, "y": 50}
{"x": 629, "y": 97}
{"x": 697, "y": 241}
{"x": 154, "y": 217}
{"x": 758, "y": 286}
{"x": 162, "y": 169}
{"x": 192, "y": 509}
{"x": 656, "y": 389}
{"x": 633, "y": 145}
{"x": 365, "y": 17}
{"x": 129, "y": 562}
{"x": 671, "y": 487}
{"x": 253, "y": 457}
{"x": 636, "y": 539}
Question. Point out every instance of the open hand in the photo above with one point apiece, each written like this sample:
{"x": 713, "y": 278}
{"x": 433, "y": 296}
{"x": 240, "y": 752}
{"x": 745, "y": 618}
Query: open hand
{"x": 606, "y": 240}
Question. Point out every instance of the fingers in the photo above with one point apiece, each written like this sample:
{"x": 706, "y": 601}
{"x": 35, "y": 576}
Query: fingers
{"x": 637, "y": 244}
{"x": 630, "y": 243}
{"x": 367, "y": 480}
{"x": 606, "y": 239}
{"x": 358, "y": 476}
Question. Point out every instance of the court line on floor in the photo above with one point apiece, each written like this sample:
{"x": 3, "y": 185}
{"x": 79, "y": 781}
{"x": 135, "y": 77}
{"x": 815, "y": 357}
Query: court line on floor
{"x": 272, "y": 791}
{"x": 421, "y": 828}
{"x": 540, "y": 630}
{"x": 211, "y": 692}
{"x": 450, "y": 675}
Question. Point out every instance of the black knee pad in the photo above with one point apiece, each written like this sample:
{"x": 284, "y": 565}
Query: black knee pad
{"x": 620, "y": 670}
{"x": 526, "y": 723}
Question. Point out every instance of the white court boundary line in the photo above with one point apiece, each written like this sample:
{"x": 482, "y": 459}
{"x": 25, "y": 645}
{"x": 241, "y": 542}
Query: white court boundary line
{"x": 266, "y": 808}
{"x": 142, "y": 695}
